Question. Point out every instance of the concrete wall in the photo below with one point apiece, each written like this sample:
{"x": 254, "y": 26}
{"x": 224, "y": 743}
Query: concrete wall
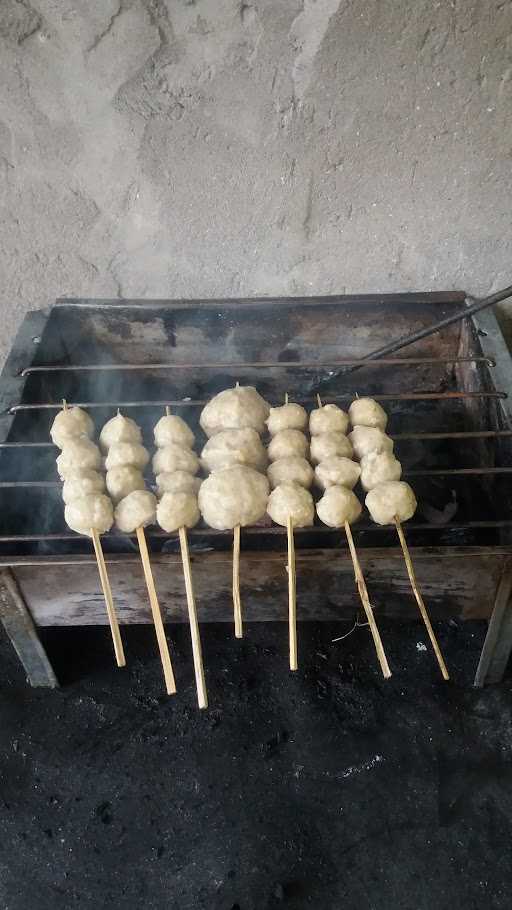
{"x": 241, "y": 147}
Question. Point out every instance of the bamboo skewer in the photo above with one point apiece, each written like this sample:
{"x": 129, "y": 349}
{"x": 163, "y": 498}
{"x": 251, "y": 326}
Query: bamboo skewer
{"x": 292, "y": 596}
{"x": 365, "y": 600}
{"x": 419, "y": 599}
{"x": 237, "y": 603}
{"x": 109, "y": 602}
{"x": 157, "y": 615}
{"x": 202, "y": 698}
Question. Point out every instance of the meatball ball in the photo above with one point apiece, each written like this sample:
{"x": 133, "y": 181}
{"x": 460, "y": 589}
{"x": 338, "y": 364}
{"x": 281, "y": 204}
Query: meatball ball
{"x": 175, "y": 458}
{"x": 337, "y": 506}
{"x": 377, "y": 467}
{"x": 126, "y": 453}
{"x": 328, "y": 419}
{"x": 288, "y": 444}
{"x": 119, "y": 429}
{"x": 137, "y": 510}
{"x": 390, "y": 499}
{"x": 78, "y": 455}
{"x": 329, "y": 444}
{"x": 290, "y": 470}
{"x": 287, "y": 417}
{"x": 235, "y": 409}
{"x": 70, "y": 423}
{"x": 123, "y": 480}
{"x": 81, "y": 484}
{"x": 337, "y": 471}
{"x": 177, "y": 510}
{"x": 365, "y": 412}
{"x": 172, "y": 428}
{"x": 91, "y": 512}
{"x": 232, "y": 447}
{"x": 369, "y": 439}
{"x": 177, "y": 482}
{"x": 288, "y": 500}
{"x": 234, "y": 496}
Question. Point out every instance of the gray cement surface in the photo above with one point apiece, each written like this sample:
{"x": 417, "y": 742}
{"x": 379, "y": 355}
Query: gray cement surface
{"x": 328, "y": 788}
{"x": 244, "y": 147}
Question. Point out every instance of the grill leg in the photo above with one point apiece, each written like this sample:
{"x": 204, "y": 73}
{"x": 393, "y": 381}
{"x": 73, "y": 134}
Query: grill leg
{"x": 22, "y": 632}
{"x": 498, "y": 641}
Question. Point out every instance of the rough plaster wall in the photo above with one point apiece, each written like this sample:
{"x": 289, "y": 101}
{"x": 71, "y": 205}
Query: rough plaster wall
{"x": 241, "y": 147}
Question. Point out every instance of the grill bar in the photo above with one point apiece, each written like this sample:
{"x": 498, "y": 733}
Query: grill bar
{"x": 437, "y": 472}
{"x": 285, "y": 364}
{"x": 472, "y": 434}
{"x": 415, "y": 396}
{"x": 258, "y": 531}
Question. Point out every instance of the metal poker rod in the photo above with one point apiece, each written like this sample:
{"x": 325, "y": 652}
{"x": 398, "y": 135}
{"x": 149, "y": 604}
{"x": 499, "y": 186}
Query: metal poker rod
{"x": 406, "y": 340}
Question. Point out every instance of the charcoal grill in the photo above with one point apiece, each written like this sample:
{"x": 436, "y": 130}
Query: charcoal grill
{"x": 448, "y": 401}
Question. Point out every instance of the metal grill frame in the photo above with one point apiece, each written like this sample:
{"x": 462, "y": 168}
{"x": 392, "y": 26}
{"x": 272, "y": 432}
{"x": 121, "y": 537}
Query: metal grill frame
{"x": 494, "y": 354}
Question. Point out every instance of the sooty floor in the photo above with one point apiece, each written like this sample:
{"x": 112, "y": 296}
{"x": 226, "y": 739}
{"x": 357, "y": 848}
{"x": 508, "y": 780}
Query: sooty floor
{"x": 329, "y": 788}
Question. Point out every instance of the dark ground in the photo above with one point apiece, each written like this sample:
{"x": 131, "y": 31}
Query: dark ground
{"x": 329, "y": 788}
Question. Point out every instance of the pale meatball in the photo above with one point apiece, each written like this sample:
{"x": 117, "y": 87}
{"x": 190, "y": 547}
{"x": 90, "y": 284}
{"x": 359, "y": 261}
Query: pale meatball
{"x": 119, "y": 429}
{"x": 177, "y": 510}
{"x": 175, "y": 458}
{"x": 235, "y": 496}
{"x": 288, "y": 500}
{"x": 232, "y": 447}
{"x": 92, "y": 512}
{"x": 172, "y": 428}
{"x": 288, "y": 444}
{"x": 377, "y": 467}
{"x": 328, "y": 419}
{"x": 328, "y": 445}
{"x": 337, "y": 471}
{"x": 70, "y": 424}
{"x": 123, "y": 480}
{"x": 78, "y": 455}
{"x": 369, "y": 439}
{"x": 337, "y": 506}
{"x": 287, "y": 417}
{"x": 82, "y": 484}
{"x": 235, "y": 409}
{"x": 387, "y": 500}
{"x": 177, "y": 482}
{"x": 290, "y": 470}
{"x": 365, "y": 412}
{"x": 126, "y": 453}
{"x": 137, "y": 510}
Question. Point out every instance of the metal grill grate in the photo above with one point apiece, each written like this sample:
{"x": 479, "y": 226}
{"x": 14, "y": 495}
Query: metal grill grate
{"x": 448, "y": 412}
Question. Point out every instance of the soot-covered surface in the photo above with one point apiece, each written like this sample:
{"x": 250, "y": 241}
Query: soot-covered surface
{"x": 329, "y": 788}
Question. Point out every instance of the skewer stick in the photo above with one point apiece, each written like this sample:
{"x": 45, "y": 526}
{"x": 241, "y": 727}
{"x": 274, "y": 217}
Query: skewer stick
{"x": 419, "y": 599}
{"x": 365, "y": 600}
{"x": 292, "y": 596}
{"x": 202, "y": 698}
{"x": 237, "y": 603}
{"x": 167, "y": 411}
{"x": 319, "y": 401}
{"x": 157, "y": 615}
{"x": 109, "y": 602}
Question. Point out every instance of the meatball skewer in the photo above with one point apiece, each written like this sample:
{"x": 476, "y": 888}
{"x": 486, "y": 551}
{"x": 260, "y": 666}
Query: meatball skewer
{"x": 393, "y": 502}
{"x": 177, "y": 511}
{"x": 135, "y": 510}
{"x": 290, "y": 503}
{"x": 230, "y": 499}
{"x": 84, "y": 499}
{"x": 339, "y": 507}
{"x": 389, "y": 500}
{"x": 237, "y": 416}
